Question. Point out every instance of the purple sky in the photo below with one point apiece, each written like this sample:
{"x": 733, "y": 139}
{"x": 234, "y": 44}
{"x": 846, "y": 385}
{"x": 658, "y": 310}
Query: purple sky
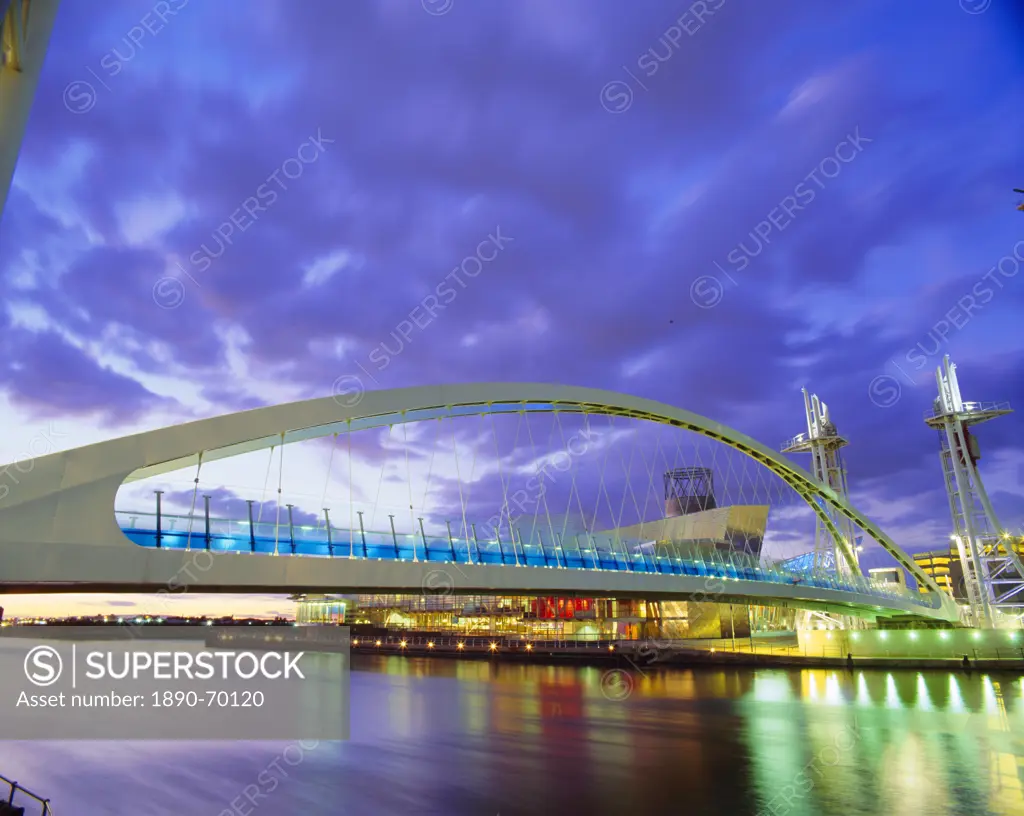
{"x": 220, "y": 206}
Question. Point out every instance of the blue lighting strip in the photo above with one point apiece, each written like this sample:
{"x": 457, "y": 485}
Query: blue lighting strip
{"x": 572, "y": 552}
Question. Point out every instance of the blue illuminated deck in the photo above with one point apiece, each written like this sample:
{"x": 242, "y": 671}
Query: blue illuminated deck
{"x": 574, "y": 552}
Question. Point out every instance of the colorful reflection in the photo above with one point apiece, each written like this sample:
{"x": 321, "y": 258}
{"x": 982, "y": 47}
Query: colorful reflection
{"x": 467, "y": 737}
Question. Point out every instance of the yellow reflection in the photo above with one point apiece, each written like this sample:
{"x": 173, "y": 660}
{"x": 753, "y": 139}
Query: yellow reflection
{"x": 924, "y": 700}
{"x": 506, "y": 711}
{"x": 772, "y": 687}
{"x": 909, "y": 785}
{"x": 863, "y": 698}
{"x": 679, "y": 686}
{"x": 833, "y": 694}
{"x": 956, "y": 700}
{"x": 1007, "y": 793}
{"x": 475, "y": 712}
{"x": 892, "y": 697}
{"x": 531, "y": 723}
{"x": 1005, "y": 767}
{"x": 993, "y": 706}
{"x": 810, "y": 686}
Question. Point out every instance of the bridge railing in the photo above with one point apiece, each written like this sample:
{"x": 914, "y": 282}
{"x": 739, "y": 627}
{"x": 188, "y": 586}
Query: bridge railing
{"x": 395, "y": 641}
{"x": 970, "y": 408}
{"x": 14, "y": 790}
{"x": 575, "y": 551}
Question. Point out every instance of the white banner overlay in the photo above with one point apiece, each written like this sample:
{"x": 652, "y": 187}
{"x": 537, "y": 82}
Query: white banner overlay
{"x": 175, "y": 682}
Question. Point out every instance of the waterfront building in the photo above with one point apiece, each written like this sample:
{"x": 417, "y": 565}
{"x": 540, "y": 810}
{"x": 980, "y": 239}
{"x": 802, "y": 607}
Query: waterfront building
{"x": 553, "y": 618}
{"x": 320, "y": 609}
{"x": 944, "y": 567}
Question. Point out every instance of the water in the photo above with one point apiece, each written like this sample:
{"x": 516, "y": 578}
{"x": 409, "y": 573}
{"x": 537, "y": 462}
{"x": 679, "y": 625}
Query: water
{"x": 462, "y": 737}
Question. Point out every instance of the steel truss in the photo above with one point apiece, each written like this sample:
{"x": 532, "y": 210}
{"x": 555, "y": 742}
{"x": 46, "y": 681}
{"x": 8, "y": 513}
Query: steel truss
{"x": 993, "y": 574}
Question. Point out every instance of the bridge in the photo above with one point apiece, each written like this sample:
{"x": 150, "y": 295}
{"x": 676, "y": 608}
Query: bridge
{"x": 25, "y": 27}
{"x": 60, "y": 532}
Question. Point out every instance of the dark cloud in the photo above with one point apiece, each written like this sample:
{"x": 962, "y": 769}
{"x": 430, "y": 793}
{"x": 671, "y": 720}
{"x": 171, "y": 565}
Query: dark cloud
{"x": 50, "y": 377}
{"x": 430, "y": 134}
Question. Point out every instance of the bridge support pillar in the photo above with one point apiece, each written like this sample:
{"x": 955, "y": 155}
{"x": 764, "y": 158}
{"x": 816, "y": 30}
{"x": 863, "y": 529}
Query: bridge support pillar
{"x": 206, "y": 513}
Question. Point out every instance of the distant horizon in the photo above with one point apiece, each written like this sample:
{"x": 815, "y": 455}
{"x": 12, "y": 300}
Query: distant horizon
{"x": 136, "y": 617}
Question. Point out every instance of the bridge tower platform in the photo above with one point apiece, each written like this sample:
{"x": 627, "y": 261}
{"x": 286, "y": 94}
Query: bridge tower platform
{"x": 989, "y": 557}
{"x": 824, "y": 443}
{"x": 831, "y": 554}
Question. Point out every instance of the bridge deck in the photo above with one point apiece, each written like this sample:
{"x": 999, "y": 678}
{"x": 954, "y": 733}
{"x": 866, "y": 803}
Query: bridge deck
{"x": 582, "y": 552}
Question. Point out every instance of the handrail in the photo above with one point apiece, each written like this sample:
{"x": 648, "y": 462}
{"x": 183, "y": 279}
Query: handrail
{"x": 968, "y": 408}
{"x": 384, "y": 639}
{"x": 16, "y": 788}
{"x": 743, "y": 566}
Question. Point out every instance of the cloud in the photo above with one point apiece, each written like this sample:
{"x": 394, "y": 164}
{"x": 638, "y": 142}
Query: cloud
{"x": 395, "y": 142}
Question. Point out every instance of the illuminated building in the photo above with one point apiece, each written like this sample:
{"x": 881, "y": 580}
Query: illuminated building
{"x": 553, "y": 618}
{"x": 320, "y": 609}
{"x": 943, "y": 566}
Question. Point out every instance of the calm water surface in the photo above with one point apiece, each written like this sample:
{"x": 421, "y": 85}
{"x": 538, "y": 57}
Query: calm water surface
{"x": 453, "y": 738}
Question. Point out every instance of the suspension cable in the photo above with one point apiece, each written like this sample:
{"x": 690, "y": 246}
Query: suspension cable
{"x": 504, "y": 488}
{"x": 430, "y": 467}
{"x": 408, "y": 479}
{"x": 351, "y": 506}
{"x": 192, "y": 512}
{"x": 280, "y": 477}
{"x": 458, "y": 476}
{"x": 327, "y": 481}
{"x": 540, "y": 499}
{"x": 430, "y": 475}
{"x": 380, "y": 482}
{"x": 266, "y": 482}
{"x": 469, "y": 494}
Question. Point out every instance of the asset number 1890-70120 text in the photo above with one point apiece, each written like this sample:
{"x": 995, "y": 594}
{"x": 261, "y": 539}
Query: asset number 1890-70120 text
{"x": 209, "y": 699}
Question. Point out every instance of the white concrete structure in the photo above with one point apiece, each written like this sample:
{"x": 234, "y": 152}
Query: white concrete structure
{"x": 25, "y": 27}
{"x": 703, "y": 526}
{"x": 58, "y": 530}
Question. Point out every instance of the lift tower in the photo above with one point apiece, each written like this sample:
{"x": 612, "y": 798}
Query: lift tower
{"x": 993, "y": 576}
{"x": 823, "y": 442}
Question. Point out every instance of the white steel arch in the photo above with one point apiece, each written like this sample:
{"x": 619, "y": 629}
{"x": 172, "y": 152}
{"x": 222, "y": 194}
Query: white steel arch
{"x": 65, "y": 503}
{"x": 25, "y": 27}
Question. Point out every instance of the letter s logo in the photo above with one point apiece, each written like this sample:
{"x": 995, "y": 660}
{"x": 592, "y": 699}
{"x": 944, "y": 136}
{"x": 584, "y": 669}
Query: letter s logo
{"x": 43, "y": 665}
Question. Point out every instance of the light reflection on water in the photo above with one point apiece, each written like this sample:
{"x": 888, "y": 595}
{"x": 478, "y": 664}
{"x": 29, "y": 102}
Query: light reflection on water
{"x": 462, "y": 737}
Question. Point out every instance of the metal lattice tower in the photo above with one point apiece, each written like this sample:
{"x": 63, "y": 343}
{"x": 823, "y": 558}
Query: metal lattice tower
{"x": 689, "y": 490}
{"x": 992, "y": 569}
{"x": 823, "y": 442}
